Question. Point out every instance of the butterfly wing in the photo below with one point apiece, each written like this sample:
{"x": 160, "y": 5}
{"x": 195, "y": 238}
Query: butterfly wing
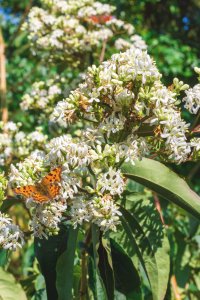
{"x": 52, "y": 177}
{"x": 26, "y": 191}
{"x": 53, "y": 190}
{"x": 32, "y": 191}
{"x": 50, "y": 182}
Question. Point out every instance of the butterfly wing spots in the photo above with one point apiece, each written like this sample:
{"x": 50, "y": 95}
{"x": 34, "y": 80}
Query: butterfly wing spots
{"x": 53, "y": 176}
{"x": 26, "y": 191}
{"x": 53, "y": 190}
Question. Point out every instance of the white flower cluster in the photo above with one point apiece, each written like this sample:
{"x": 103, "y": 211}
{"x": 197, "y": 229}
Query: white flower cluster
{"x": 44, "y": 95}
{"x": 121, "y": 93}
{"x": 135, "y": 41}
{"x": 15, "y": 143}
{"x": 64, "y": 149}
{"x": 100, "y": 210}
{"x": 67, "y": 30}
{"x": 111, "y": 182}
{"x": 79, "y": 161}
{"x": 11, "y": 237}
{"x": 46, "y": 217}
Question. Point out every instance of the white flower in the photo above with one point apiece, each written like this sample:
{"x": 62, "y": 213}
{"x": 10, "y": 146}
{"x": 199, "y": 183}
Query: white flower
{"x": 112, "y": 124}
{"x": 70, "y": 182}
{"x": 112, "y": 182}
{"x": 192, "y": 99}
{"x": 10, "y": 126}
{"x": 80, "y": 211}
{"x": 54, "y": 90}
{"x": 138, "y": 42}
{"x": 43, "y": 95}
{"x": 37, "y": 136}
{"x": 63, "y": 113}
{"x": 20, "y": 136}
{"x": 195, "y": 143}
{"x": 122, "y": 44}
{"x": 105, "y": 213}
{"x": 133, "y": 149}
{"x": 27, "y": 171}
{"x": 11, "y": 237}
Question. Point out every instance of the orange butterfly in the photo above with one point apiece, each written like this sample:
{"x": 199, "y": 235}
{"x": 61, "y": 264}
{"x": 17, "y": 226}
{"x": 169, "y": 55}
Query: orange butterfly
{"x": 45, "y": 190}
{"x": 100, "y": 19}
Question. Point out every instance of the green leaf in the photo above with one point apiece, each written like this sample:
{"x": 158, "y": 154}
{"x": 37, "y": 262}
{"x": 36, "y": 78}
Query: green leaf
{"x": 47, "y": 252}
{"x": 3, "y": 257}
{"x": 95, "y": 283}
{"x": 98, "y": 287}
{"x": 9, "y": 288}
{"x": 105, "y": 265}
{"x": 127, "y": 280}
{"x": 147, "y": 235}
{"x": 76, "y": 281}
{"x": 65, "y": 267}
{"x": 165, "y": 182}
{"x": 8, "y": 203}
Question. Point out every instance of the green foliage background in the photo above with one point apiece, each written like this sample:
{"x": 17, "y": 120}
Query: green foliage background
{"x": 171, "y": 30}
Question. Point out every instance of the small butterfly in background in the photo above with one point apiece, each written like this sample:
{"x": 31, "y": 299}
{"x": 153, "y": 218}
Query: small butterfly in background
{"x": 100, "y": 19}
{"x": 45, "y": 190}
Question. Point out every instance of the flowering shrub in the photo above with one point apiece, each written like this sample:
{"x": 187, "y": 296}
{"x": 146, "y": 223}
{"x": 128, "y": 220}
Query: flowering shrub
{"x": 68, "y": 30}
{"x": 127, "y": 114}
{"x": 121, "y": 126}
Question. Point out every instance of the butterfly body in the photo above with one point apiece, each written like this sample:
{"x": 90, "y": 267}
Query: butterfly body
{"x": 45, "y": 190}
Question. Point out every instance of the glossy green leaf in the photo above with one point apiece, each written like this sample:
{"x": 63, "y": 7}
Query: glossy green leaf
{"x": 9, "y": 288}
{"x": 127, "y": 280}
{"x": 8, "y": 203}
{"x": 76, "y": 281}
{"x": 47, "y": 252}
{"x": 99, "y": 290}
{"x": 147, "y": 235}
{"x": 165, "y": 182}
{"x": 3, "y": 257}
{"x": 65, "y": 267}
{"x": 106, "y": 266}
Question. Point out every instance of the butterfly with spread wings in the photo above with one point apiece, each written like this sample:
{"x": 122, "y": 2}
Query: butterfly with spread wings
{"x": 45, "y": 190}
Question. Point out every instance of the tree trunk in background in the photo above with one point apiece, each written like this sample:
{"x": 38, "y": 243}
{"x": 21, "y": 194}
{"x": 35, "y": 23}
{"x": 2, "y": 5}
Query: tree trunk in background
{"x": 4, "y": 110}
